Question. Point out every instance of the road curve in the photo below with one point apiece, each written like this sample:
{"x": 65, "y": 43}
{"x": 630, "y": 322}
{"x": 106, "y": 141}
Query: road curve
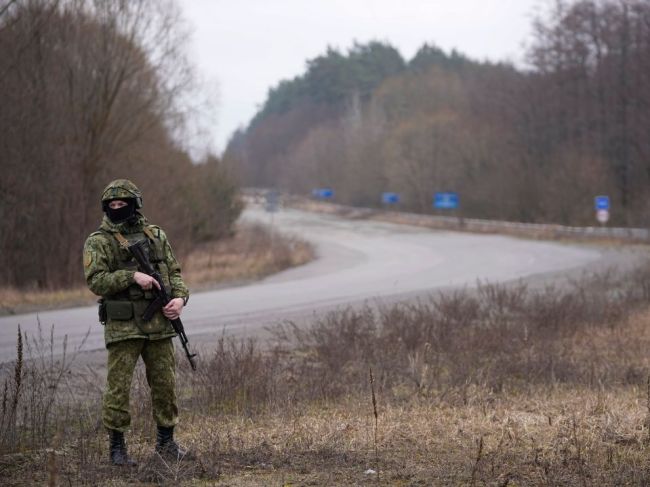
{"x": 357, "y": 260}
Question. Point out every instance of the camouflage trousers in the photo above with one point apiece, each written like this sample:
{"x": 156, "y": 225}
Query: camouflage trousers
{"x": 159, "y": 361}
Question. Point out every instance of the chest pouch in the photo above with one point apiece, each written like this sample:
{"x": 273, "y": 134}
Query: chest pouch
{"x": 156, "y": 253}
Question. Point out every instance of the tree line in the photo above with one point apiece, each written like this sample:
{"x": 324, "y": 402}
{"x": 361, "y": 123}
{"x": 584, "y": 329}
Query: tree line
{"x": 90, "y": 92}
{"x": 533, "y": 143}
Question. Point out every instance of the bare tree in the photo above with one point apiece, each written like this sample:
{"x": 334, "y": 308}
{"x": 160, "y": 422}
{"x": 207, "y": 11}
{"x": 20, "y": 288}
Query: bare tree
{"x": 90, "y": 91}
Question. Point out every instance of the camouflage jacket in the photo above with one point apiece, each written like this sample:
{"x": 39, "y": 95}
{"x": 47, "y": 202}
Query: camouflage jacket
{"x": 109, "y": 271}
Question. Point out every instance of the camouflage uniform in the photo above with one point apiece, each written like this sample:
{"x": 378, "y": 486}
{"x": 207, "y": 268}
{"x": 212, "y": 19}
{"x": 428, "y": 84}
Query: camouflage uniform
{"x": 109, "y": 271}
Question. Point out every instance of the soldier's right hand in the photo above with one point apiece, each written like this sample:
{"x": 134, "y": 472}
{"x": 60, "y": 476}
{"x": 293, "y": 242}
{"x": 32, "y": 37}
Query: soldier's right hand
{"x": 145, "y": 281}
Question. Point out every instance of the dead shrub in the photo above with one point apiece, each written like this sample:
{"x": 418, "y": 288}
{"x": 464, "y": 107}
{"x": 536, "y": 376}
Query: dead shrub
{"x": 492, "y": 336}
{"x": 473, "y": 348}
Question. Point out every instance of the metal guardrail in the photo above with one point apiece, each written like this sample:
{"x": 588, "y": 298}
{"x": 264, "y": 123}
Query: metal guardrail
{"x": 537, "y": 230}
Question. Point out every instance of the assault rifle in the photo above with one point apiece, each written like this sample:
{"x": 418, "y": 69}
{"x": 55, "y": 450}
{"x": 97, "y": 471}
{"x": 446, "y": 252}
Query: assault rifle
{"x": 161, "y": 296}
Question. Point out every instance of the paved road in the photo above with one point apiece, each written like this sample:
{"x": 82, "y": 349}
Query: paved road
{"x": 357, "y": 260}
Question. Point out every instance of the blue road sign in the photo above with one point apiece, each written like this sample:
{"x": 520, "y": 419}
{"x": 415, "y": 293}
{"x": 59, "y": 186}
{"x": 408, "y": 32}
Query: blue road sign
{"x": 323, "y": 193}
{"x": 390, "y": 198}
{"x": 446, "y": 201}
{"x": 601, "y": 202}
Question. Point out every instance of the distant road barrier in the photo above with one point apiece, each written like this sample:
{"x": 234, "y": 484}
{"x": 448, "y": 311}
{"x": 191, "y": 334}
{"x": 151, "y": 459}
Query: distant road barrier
{"x": 534, "y": 230}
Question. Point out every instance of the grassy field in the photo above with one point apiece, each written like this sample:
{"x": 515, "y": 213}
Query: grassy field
{"x": 500, "y": 386}
{"x": 251, "y": 253}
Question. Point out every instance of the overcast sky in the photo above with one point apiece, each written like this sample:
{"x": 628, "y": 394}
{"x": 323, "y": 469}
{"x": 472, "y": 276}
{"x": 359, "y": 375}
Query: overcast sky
{"x": 242, "y": 48}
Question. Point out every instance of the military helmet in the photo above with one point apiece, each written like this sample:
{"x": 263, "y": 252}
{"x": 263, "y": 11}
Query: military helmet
{"x": 121, "y": 189}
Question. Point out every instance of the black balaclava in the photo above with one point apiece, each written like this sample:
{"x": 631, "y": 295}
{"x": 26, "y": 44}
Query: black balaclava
{"x": 124, "y": 214}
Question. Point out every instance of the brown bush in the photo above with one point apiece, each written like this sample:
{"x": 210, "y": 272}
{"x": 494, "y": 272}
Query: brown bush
{"x": 464, "y": 358}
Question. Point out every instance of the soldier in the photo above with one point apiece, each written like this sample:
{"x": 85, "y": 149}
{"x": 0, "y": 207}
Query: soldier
{"x": 125, "y": 293}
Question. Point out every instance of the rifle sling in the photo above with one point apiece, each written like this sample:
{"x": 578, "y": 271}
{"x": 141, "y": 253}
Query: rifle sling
{"x": 149, "y": 234}
{"x": 122, "y": 240}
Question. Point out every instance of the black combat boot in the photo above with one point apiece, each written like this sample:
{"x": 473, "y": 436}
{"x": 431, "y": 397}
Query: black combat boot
{"x": 167, "y": 447}
{"x": 119, "y": 456}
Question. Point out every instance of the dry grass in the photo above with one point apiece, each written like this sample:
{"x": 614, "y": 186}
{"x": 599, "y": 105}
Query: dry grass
{"x": 14, "y": 301}
{"x": 543, "y": 436}
{"x": 547, "y": 435}
{"x": 504, "y": 386}
{"x": 253, "y": 252}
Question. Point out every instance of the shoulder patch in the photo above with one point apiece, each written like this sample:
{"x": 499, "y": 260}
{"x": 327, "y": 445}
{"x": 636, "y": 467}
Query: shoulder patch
{"x": 96, "y": 240}
{"x": 88, "y": 258}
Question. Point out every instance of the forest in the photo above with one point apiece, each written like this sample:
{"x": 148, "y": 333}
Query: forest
{"x": 90, "y": 92}
{"x": 530, "y": 143}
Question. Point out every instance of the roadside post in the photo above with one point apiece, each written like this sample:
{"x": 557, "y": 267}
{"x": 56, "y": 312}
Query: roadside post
{"x": 272, "y": 201}
{"x": 602, "y": 207}
{"x": 388, "y": 199}
{"x": 448, "y": 201}
{"x": 271, "y": 206}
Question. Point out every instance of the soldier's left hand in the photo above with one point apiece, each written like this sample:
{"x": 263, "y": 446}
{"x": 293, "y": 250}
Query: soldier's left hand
{"x": 173, "y": 308}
